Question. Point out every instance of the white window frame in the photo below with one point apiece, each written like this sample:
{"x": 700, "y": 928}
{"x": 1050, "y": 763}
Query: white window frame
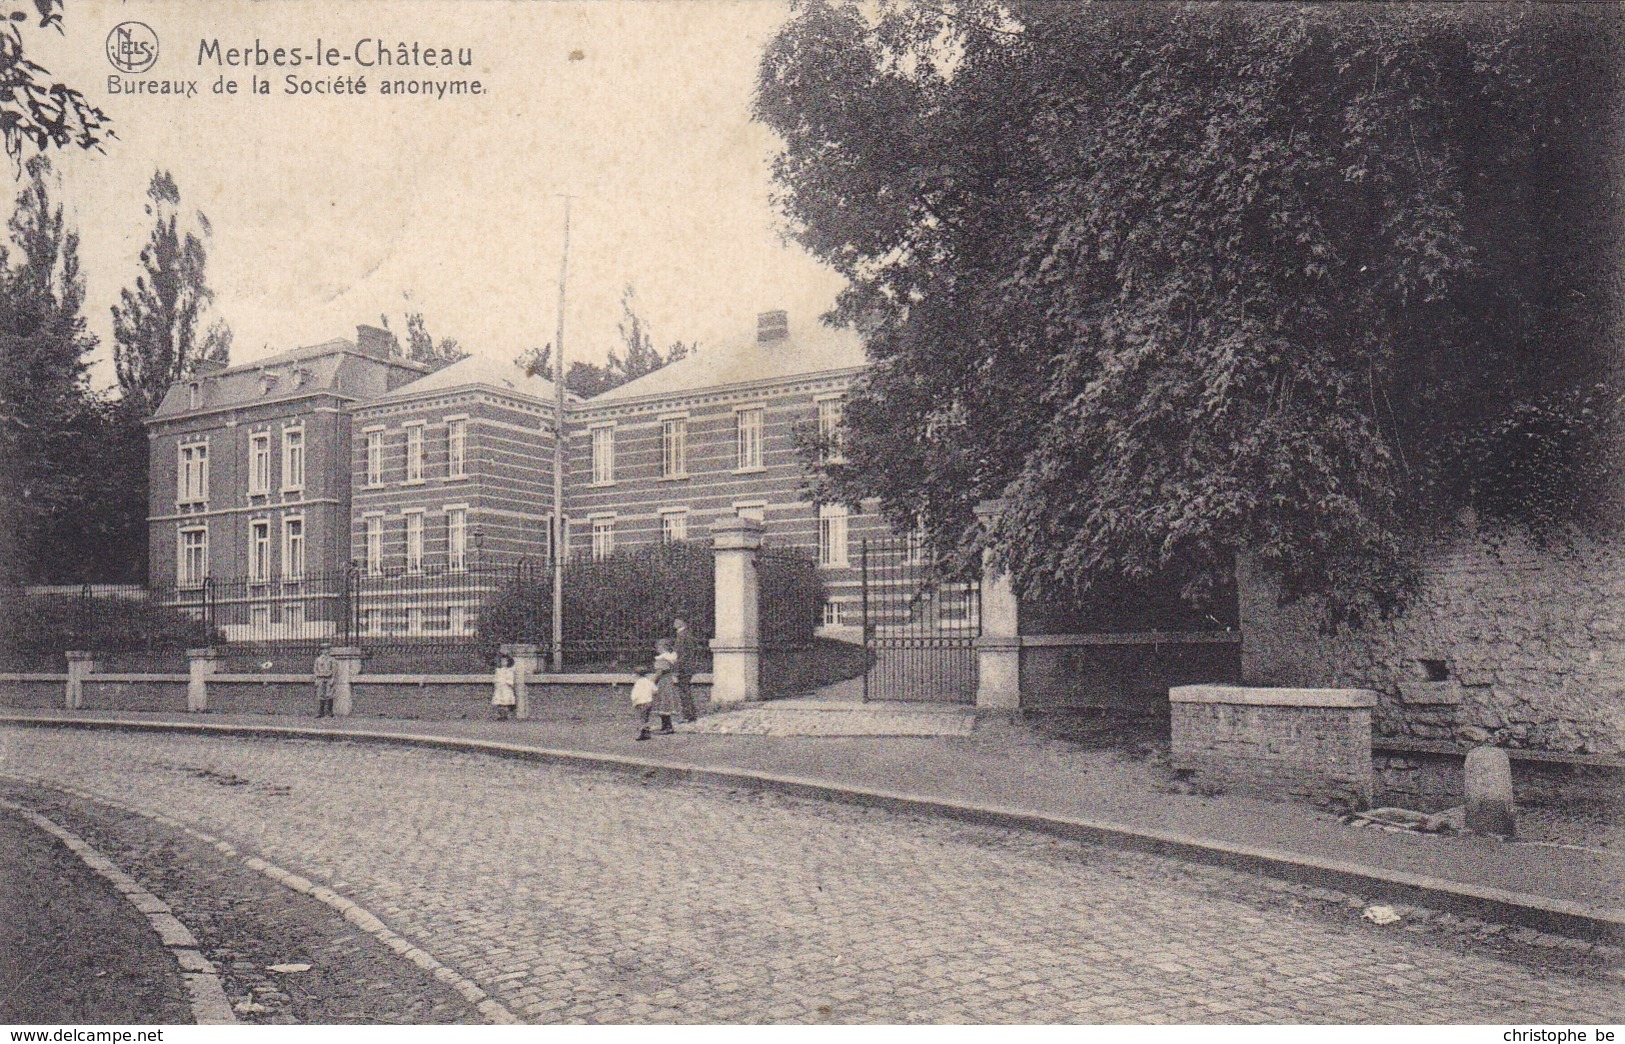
{"x": 259, "y": 550}
{"x": 192, "y": 472}
{"x": 457, "y": 537}
{"x": 373, "y": 543}
{"x": 414, "y": 547}
{"x": 259, "y": 464}
{"x": 184, "y": 576}
{"x": 673, "y": 525}
{"x": 373, "y": 455}
{"x": 674, "y": 446}
{"x": 194, "y": 396}
{"x": 749, "y": 424}
{"x": 414, "y": 453}
{"x": 294, "y": 451}
{"x": 833, "y": 521}
{"x": 832, "y": 443}
{"x": 603, "y": 536}
{"x": 295, "y": 547}
{"x": 603, "y": 454}
{"x": 834, "y": 613}
{"x": 456, "y": 447}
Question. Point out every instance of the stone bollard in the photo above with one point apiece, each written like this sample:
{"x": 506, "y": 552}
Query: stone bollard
{"x": 1489, "y": 791}
{"x": 346, "y": 665}
{"x": 201, "y": 663}
{"x": 525, "y": 660}
{"x": 736, "y": 650}
{"x": 80, "y": 664}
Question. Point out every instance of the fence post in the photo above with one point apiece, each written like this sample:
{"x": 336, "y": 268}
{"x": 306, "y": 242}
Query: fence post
{"x": 346, "y": 665}
{"x": 200, "y": 663}
{"x": 80, "y": 664}
{"x": 736, "y": 649}
{"x": 524, "y": 664}
{"x": 998, "y": 649}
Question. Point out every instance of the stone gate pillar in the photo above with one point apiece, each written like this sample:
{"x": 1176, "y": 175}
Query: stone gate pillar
{"x": 998, "y": 650}
{"x": 201, "y": 663}
{"x": 736, "y": 649}
{"x": 525, "y": 660}
{"x": 346, "y": 665}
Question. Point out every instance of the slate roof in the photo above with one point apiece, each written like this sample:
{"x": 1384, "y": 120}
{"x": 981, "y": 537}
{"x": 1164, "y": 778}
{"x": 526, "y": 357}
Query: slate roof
{"x": 813, "y": 349}
{"x": 478, "y": 371}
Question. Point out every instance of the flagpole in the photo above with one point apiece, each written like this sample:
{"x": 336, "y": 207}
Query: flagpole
{"x": 559, "y": 548}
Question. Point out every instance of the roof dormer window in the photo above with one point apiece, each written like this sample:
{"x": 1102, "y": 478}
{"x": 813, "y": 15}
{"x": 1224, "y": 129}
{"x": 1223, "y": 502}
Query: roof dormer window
{"x": 194, "y": 395}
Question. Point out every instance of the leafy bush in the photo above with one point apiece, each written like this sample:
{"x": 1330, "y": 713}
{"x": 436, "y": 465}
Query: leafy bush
{"x": 38, "y": 629}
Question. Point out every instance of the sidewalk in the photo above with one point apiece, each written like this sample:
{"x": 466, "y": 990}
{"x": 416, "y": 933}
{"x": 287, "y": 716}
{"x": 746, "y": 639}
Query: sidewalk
{"x": 1008, "y": 774}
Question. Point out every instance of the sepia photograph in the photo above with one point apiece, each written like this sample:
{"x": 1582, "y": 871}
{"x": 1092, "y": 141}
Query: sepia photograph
{"x": 812, "y": 513}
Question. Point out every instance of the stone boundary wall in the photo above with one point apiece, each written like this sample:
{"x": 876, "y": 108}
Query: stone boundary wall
{"x": 1067, "y": 673}
{"x": 1507, "y": 642}
{"x": 1313, "y": 744}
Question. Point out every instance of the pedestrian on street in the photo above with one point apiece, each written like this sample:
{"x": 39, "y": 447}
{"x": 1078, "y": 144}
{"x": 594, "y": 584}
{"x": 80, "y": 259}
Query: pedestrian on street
{"x": 666, "y": 703}
{"x": 324, "y": 671}
{"x": 687, "y": 649}
{"x": 502, "y": 694}
{"x": 643, "y": 698}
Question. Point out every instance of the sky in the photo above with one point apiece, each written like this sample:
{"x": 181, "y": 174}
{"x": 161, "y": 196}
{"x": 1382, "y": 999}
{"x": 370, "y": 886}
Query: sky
{"x": 327, "y": 210}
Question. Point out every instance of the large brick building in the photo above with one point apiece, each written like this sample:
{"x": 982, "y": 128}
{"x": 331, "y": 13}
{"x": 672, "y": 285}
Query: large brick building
{"x": 404, "y": 472}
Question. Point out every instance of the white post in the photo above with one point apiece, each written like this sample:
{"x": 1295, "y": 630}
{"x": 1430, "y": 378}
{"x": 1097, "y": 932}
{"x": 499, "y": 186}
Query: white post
{"x": 346, "y": 665}
{"x": 80, "y": 664}
{"x": 736, "y": 649}
{"x": 524, "y": 665}
{"x": 201, "y": 663}
{"x": 998, "y": 650}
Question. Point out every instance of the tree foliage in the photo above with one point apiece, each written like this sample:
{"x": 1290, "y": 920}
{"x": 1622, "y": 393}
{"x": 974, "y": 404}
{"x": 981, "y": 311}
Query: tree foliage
{"x": 1179, "y": 281}
{"x": 36, "y": 111}
{"x": 65, "y": 515}
{"x": 156, "y": 335}
{"x": 638, "y": 356}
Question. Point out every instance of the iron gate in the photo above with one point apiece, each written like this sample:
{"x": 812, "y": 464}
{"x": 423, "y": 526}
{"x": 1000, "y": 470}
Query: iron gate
{"x": 920, "y": 625}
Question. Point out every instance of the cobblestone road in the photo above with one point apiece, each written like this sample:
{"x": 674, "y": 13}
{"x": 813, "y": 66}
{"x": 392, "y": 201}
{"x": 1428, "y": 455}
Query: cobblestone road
{"x": 579, "y": 896}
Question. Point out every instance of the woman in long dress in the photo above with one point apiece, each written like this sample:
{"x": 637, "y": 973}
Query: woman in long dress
{"x": 667, "y": 701}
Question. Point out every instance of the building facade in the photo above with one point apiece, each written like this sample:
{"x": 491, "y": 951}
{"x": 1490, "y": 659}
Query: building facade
{"x": 250, "y": 483}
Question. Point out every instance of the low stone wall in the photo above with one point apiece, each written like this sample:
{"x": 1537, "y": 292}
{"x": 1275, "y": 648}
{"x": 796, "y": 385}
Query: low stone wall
{"x": 155, "y": 692}
{"x": 1507, "y": 641}
{"x": 262, "y": 694}
{"x": 1313, "y": 744}
{"x": 1120, "y": 672}
{"x": 439, "y": 700}
{"x": 33, "y": 691}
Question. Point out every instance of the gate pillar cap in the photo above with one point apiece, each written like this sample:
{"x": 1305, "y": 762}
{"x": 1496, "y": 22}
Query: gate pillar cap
{"x": 736, "y": 534}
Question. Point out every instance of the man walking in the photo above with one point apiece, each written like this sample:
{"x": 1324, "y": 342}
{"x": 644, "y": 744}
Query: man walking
{"x": 688, "y": 655}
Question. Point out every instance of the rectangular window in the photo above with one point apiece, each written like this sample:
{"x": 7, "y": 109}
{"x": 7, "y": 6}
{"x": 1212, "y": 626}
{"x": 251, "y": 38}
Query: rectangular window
{"x": 293, "y": 548}
{"x": 457, "y": 621}
{"x": 293, "y": 460}
{"x": 603, "y": 538}
{"x": 674, "y": 447}
{"x": 832, "y": 535}
{"x": 193, "y": 563}
{"x": 193, "y": 476}
{"x": 456, "y": 448}
{"x": 748, "y": 438}
{"x": 414, "y": 453}
{"x": 259, "y": 619}
{"x": 375, "y": 458}
{"x": 293, "y": 619}
{"x": 414, "y": 542}
{"x": 259, "y": 550}
{"x": 457, "y": 538}
{"x": 833, "y": 614}
{"x": 375, "y": 545}
{"x": 829, "y": 431}
{"x": 673, "y": 526}
{"x": 603, "y": 455}
{"x": 259, "y": 463}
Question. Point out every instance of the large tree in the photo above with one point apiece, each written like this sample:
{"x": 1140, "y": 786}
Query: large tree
{"x": 156, "y": 324}
{"x": 1180, "y": 281}
{"x": 55, "y": 520}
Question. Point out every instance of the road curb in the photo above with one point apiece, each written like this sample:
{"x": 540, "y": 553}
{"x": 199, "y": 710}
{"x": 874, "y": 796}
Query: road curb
{"x": 1533, "y": 911}
{"x": 202, "y": 981}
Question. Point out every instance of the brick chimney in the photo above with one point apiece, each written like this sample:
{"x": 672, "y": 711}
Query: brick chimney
{"x": 772, "y": 326}
{"x": 375, "y": 341}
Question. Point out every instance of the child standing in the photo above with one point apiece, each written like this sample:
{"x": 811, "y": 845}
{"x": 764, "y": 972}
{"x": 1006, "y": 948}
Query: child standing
{"x": 643, "y": 697}
{"x": 502, "y": 694}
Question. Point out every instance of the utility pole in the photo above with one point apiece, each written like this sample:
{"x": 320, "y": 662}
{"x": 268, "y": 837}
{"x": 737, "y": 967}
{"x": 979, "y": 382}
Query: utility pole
{"x": 558, "y": 457}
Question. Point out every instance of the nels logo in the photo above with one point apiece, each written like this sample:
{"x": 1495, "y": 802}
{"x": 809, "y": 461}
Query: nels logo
{"x": 132, "y": 47}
